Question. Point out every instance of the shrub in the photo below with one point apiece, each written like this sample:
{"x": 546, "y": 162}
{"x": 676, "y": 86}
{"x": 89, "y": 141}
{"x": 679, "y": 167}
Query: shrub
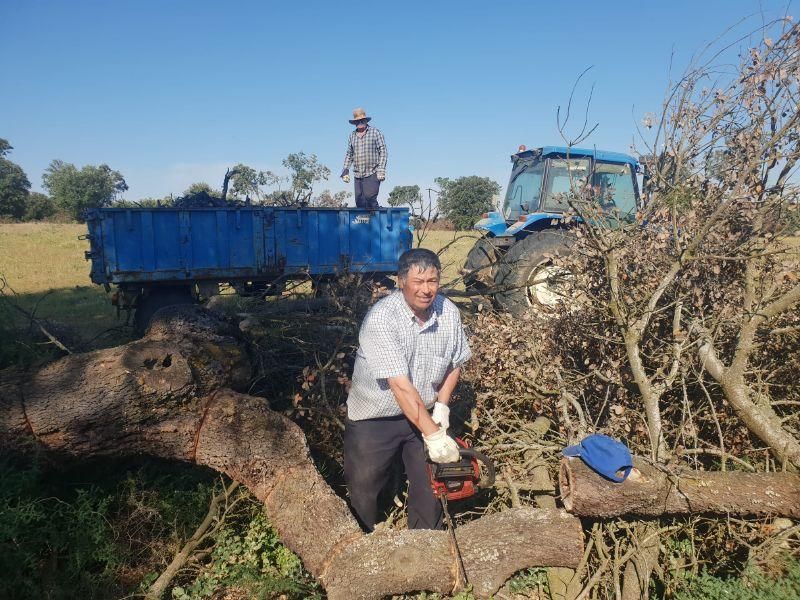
{"x": 39, "y": 207}
{"x": 752, "y": 585}
{"x": 253, "y": 559}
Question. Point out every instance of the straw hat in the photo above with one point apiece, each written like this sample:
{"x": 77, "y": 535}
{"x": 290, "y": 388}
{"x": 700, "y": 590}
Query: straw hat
{"x": 359, "y": 114}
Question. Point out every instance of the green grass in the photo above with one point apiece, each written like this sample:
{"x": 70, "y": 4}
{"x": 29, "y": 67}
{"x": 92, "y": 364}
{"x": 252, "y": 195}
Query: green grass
{"x": 457, "y": 245}
{"x": 44, "y": 265}
{"x": 36, "y": 257}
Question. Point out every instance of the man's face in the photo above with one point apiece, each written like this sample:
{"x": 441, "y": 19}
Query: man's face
{"x": 419, "y": 288}
{"x": 361, "y": 125}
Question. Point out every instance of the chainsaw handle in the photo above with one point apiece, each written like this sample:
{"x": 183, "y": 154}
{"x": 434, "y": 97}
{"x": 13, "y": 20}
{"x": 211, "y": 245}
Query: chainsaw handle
{"x": 487, "y": 473}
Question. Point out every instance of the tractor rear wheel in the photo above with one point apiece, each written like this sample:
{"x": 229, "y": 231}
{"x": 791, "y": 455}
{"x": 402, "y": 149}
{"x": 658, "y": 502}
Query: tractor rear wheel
{"x": 527, "y": 277}
{"x": 480, "y": 267}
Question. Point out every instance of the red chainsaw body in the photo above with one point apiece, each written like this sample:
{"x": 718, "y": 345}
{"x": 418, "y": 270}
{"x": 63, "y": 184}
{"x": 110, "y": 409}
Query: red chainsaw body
{"x": 455, "y": 481}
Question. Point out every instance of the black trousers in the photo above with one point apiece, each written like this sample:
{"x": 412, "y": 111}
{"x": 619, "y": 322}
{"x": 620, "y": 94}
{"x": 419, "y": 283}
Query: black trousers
{"x": 367, "y": 189}
{"x": 370, "y": 447}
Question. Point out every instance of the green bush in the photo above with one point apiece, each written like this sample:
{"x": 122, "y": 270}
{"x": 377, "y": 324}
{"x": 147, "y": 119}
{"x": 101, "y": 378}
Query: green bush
{"x": 752, "y": 585}
{"x": 50, "y": 546}
{"x": 463, "y": 200}
{"x": 251, "y": 558}
{"x": 39, "y": 207}
{"x": 91, "y": 529}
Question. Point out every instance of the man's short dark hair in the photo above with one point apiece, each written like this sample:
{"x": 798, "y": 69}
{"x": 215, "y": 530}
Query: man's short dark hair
{"x": 420, "y": 258}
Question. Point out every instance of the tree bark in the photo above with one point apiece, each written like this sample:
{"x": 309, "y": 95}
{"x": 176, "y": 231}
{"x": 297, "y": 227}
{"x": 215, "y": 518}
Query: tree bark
{"x": 172, "y": 395}
{"x": 653, "y": 492}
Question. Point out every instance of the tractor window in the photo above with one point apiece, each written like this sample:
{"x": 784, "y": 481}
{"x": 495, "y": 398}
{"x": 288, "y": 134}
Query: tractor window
{"x": 564, "y": 176}
{"x": 523, "y": 192}
{"x": 613, "y": 187}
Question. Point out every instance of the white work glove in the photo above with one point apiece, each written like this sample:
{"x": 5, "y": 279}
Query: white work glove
{"x": 441, "y": 447}
{"x": 381, "y": 177}
{"x": 346, "y": 178}
{"x": 441, "y": 415}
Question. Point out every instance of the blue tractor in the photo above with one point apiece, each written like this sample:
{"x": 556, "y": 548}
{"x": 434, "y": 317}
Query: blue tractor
{"x": 512, "y": 262}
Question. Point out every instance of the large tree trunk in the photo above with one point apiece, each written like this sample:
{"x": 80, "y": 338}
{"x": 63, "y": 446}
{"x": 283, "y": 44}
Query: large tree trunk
{"x": 171, "y": 395}
{"x": 655, "y": 492}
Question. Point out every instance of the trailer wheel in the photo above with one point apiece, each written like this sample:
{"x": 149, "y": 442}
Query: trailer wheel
{"x": 527, "y": 277}
{"x": 481, "y": 265}
{"x": 156, "y": 298}
{"x": 260, "y": 288}
{"x": 352, "y": 288}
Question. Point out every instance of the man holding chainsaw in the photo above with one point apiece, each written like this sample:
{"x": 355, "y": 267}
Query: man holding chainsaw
{"x": 411, "y": 348}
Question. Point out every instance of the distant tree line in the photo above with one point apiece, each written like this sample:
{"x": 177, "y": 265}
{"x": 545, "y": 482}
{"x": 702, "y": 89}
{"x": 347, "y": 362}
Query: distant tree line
{"x": 72, "y": 190}
{"x": 293, "y": 188}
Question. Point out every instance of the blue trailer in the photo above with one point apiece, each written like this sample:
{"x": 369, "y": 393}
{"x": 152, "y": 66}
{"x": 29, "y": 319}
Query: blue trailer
{"x": 162, "y": 256}
{"x": 512, "y": 261}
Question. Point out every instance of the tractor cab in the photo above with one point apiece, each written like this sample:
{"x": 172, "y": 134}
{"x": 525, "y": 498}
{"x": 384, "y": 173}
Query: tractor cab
{"x": 541, "y": 178}
{"x": 512, "y": 262}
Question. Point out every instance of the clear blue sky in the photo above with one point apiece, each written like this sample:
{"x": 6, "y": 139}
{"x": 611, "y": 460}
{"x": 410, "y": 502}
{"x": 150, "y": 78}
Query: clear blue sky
{"x": 171, "y": 92}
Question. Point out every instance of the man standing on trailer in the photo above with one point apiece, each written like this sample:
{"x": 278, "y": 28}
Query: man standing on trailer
{"x": 366, "y": 153}
{"x": 411, "y": 348}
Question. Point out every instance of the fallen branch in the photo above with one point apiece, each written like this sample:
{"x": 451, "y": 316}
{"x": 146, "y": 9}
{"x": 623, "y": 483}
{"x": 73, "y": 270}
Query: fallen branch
{"x": 168, "y": 395}
{"x": 31, "y": 316}
{"x": 209, "y": 523}
{"x": 654, "y": 492}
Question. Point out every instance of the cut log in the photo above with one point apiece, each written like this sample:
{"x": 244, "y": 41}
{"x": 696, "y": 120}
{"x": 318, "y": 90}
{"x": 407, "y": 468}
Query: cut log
{"x": 172, "y": 395}
{"x": 654, "y": 492}
{"x": 493, "y": 548}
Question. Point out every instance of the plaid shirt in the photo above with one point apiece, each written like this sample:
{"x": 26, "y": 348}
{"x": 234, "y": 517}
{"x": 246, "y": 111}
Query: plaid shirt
{"x": 393, "y": 343}
{"x": 367, "y": 153}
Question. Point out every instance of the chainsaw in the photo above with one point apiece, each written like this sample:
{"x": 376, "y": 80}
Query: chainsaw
{"x": 456, "y": 481}
{"x": 462, "y": 479}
